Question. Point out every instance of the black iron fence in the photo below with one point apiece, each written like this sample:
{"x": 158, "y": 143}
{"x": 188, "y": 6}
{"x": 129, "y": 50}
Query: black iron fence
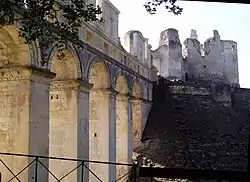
{"x": 82, "y": 169}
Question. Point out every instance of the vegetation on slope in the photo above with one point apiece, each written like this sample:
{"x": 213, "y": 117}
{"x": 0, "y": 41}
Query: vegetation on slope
{"x": 191, "y": 131}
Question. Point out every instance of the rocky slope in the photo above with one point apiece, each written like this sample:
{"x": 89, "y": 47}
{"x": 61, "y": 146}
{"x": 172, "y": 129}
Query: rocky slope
{"x": 194, "y": 131}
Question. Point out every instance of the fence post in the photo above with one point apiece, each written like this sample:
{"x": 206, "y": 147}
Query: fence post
{"x": 82, "y": 178}
{"x": 36, "y": 163}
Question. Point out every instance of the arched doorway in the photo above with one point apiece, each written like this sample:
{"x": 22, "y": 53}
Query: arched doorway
{"x": 23, "y": 92}
{"x": 99, "y": 125}
{"x": 65, "y": 122}
{"x": 136, "y": 113}
{"x": 122, "y": 128}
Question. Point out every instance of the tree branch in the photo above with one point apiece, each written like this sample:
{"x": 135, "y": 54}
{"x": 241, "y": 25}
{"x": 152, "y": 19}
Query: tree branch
{"x": 152, "y": 5}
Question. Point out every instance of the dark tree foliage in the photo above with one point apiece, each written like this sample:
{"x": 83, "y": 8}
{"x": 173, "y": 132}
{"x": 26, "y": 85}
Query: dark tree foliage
{"x": 58, "y": 20}
{"x": 48, "y": 20}
{"x": 151, "y": 6}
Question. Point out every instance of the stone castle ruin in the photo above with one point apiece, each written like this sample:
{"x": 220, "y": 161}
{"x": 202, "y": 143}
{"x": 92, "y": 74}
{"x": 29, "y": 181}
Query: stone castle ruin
{"x": 104, "y": 102}
{"x": 200, "y": 116}
{"x": 215, "y": 60}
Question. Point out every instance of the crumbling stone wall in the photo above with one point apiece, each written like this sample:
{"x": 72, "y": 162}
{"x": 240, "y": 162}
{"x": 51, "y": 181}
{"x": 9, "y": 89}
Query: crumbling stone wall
{"x": 216, "y": 60}
{"x": 169, "y": 54}
{"x": 137, "y": 45}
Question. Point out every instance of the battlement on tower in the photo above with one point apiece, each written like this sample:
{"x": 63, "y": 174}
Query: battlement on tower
{"x": 215, "y": 59}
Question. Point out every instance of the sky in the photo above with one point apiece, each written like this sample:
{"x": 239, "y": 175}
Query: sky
{"x": 231, "y": 20}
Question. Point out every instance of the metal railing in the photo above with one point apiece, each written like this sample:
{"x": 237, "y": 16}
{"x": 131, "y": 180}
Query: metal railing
{"x": 82, "y": 167}
{"x": 133, "y": 173}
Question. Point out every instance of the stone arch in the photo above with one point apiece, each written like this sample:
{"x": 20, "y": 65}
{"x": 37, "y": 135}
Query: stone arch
{"x": 121, "y": 83}
{"x": 99, "y": 118}
{"x": 98, "y": 75}
{"x": 136, "y": 89}
{"x": 16, "y": 101}
{"x": 122, "y": 125}
{"x": 65, "y": 118}
{"x": 65, "y": 68}
{"x": 70, "y": 62}
{"x": 13, "y": 50}
{"x": 136, "y": 112}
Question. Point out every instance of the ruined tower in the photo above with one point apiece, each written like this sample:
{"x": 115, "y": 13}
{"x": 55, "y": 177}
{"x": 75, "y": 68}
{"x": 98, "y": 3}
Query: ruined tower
{"x": 216, "y": 60}
{"x": 168, "y": 57}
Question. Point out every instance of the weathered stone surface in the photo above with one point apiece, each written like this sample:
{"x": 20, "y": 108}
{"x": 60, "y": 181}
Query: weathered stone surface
{"x": 169, "y": 35}
{"x": 137, "y": 45}
{"x": 216, "y": 60}
{"x": 21, "y": 118}
{"x": 168, "y": 55}
{"x": 193, "y": 34}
